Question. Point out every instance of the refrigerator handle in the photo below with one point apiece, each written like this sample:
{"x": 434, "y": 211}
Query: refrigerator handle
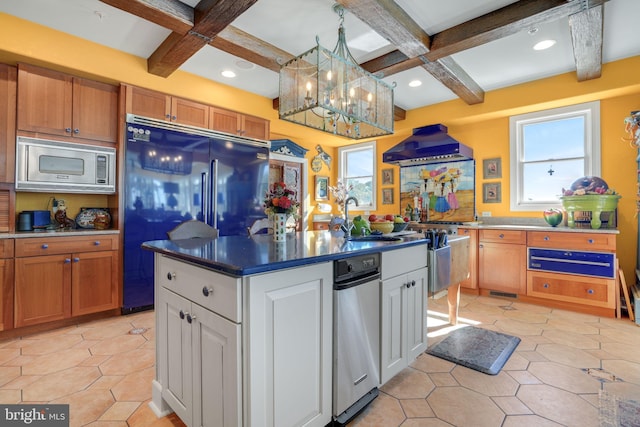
{"x": 204, "y": 200}
{"x": 214, "y": 193}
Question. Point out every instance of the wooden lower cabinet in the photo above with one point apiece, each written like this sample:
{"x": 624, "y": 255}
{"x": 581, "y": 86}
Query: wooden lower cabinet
{"x": 593, "y": 291}
{"x": 64, "y": 284}
{"x": 502, "y": 261}
{"x": 471, "y": 282}
{"x": 6, "y": 284}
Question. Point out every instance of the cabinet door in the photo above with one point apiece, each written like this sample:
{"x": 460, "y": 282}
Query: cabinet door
{"x": 44, "y": 101}
{"x": 254, "y": 127}
{"x": 148, "y": 103}
{"x": 175, "y": 356}
{"x": 6, "y": 294}
{"x": 288, "y": 353}
{"x": 93, "y": 282}
{"x": 95, "y": 110}
{"x": 217, "y": 375}
{"x": 393, "y": 331}
{"x": 502, "y": 267}
{"x": 42, "y": 289}
{"x": 189, "y": 113}
{"x": 225, "y": 121}
{"x": 416, "y": 313}
{"x": 8, "y": 78}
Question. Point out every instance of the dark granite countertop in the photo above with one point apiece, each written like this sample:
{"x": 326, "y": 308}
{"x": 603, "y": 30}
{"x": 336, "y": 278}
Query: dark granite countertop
{"x": 246, "y": 255}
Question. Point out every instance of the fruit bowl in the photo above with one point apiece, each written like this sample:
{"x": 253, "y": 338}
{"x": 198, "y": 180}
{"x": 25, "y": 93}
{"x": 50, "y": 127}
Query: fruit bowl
{"x": 399, "y": 226}
{"x": 385, "y": 227}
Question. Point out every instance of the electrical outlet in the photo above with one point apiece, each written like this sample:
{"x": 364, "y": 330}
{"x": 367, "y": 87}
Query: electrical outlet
{"x": 485, "y": 214}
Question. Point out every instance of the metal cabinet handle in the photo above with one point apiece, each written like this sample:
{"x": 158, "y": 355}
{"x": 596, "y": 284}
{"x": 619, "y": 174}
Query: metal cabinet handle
{"x": 181, "y": 314}
{"x": 173, "y": 117}
{"x": 591, "y": 291}
{"x": 480, "y": 246}
{"x": 206, "y": 291}
{"x": 590, "y": 241}
{"x": 45, "y": 246}
{"x": 168, "y": 116}
{"x": 408, "y": 285}
{"x": 501, "y": 236}
{"x": 171, "y": 276}
{"x": 76, "y": 259}
{"x": 76, "y": 131}
{"x": 413, "y": 283}
{"x": 190, "y": 318}
{"x": 97, "y": 243}
{"x": 67, "y": 260}
{"x": 546, "y": 285}
{"x": 68, "y": 130}
{"x": 547, "y": 238}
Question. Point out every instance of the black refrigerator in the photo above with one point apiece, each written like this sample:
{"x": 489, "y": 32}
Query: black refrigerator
{"x": 175, "y": 173}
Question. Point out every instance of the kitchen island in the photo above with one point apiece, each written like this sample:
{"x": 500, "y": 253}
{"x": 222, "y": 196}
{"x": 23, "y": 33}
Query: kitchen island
{"x": 244, "y": 325}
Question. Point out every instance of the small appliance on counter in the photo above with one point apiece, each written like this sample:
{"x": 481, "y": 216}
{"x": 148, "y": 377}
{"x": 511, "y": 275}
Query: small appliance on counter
{"x": 33, "y": 220}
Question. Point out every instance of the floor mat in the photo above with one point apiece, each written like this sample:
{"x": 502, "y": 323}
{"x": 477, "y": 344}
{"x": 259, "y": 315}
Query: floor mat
{"x": 616, "y": 411}
{"x": 476, "y": 348}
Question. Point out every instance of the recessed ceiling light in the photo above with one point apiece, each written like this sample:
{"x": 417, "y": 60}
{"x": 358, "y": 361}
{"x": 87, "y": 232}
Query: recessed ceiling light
{"x": 244, "y": 65}
{"x": 228, "y": 73}
{"x": 415, "y": 83}
{"x": 544, "y": 44}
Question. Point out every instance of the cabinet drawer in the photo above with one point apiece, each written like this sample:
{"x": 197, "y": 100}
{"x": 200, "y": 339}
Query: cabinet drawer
{"x": 503, "y": 236}
{"x": 64, "y": 245}
{"x": 214, "y": 291}
{"x": 400, "y": 261}
{"x": 6, "y": 248}
{"x": 577, "y": 289}
{"x": 581, "y": 241}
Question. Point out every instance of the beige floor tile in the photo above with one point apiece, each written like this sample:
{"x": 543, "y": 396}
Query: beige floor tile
{"x": 511, "y": 405}
{"x": 21, "y": 382}
{"x": 520, "y": 329}
{"x": 45, "y": 364}
{"x": 442, "y": 379}
{"x": 622, "y": 351}
{"x": 119, "y": 344}
{"x": 516, "y": 362}
{"x": 581, "y": 341}
{"x": 107, "y": 382}
{"x": 8, "y": 354}
{"x": 110, "y": 331}
{"x": 489, "y": 385}
{"x": 564, "y": 377}
{"x": 416, "y": 408}
{"x": 558, "y": 405}
{"x": 107, "y": 424}
{"x": 8, "y": 374}
{"x": 463, "y": 407}
{"x": 50, "y": 344}
{"x": 126, "y": 363}
{"x": 524, "y": 377}
{"x": 119, "y": 411}
{"x": 409, "y": 384}
{"x": 20, "y": 360}
{"x": 424, "y": 422}
{"x": 383, "y": 411}
{"x": 10, "y": 396}
{"x": 625, "y": 370}
{"x": 528, "y": 421}
{"x": 429, "y": 364}
{"x": 568, "y": 355}
{"x": 86, "y": 406}
{"x": 135, "y": 386}
{"x": 58, "y": 384}
{"x": 569, "y": 325}
{"x": 526, "y": 316}
{"x": 95, "y": 360}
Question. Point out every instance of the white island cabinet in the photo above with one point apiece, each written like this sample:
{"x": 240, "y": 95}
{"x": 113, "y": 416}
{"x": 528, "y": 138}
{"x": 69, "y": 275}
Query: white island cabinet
{"x": 250, "y": 351}
{"x": 404, "y": 309}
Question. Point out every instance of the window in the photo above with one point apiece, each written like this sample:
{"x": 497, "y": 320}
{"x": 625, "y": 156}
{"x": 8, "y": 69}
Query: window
{"x": 549, "y": 150}
{"x": 357, "y": 168}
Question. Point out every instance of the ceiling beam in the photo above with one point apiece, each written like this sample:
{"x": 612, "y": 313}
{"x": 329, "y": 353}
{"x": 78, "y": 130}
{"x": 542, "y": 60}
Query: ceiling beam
{"x": 390, "y": 21}
{"x": 586, "y": 34}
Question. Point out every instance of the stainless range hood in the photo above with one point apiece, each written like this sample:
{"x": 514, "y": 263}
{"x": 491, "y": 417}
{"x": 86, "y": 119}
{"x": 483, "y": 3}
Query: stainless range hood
{"x": 427, "y": 144}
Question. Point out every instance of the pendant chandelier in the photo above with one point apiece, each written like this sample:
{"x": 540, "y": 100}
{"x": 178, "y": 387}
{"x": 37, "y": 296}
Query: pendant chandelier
{"x": 329, "y": 91}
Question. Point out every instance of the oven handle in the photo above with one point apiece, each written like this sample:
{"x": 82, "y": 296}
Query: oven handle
{"x": 337, "y": 286}
{"x": 569, "y": 261}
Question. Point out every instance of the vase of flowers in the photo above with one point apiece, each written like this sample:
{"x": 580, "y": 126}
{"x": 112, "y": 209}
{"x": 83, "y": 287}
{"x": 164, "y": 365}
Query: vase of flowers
{"x": 280, "y": 202}
{"x": 340, "y": 192}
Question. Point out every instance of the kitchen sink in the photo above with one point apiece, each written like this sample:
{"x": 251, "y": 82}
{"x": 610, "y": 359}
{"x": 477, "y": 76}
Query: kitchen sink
{"x": 374, "y": 238}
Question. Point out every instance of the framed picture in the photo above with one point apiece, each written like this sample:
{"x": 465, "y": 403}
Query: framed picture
{"x": 492, "y": 168}
{"x": 387, "y": 196}
{"x": 387, "y": 176}
{"x": 322, "y": 188}
{"x": 492, "y": 192}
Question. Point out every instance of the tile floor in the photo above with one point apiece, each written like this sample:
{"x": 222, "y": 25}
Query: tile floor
{"x": 103, "y": 371}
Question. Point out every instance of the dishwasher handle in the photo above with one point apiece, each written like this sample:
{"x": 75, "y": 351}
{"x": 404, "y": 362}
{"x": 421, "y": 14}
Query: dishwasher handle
{"x": 340, "y": 286}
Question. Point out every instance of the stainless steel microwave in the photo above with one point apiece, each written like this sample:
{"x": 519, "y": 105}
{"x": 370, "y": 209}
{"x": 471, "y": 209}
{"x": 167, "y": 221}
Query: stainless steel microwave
{"x": 45, "y": 165}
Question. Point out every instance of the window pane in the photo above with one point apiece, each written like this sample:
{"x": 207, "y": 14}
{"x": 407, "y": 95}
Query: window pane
{"x": 539, "y": 186}
{"x": 360, "y": 163}
{"x": 555, "y": 139}
{"x": 362, "y": 190}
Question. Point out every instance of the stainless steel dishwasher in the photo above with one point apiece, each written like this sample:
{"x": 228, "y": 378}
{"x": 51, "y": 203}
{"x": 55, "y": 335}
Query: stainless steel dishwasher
{"x": 356, "y": 335}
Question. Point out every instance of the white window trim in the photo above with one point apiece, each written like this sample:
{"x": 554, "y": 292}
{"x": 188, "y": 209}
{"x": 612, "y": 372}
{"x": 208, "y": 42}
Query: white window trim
{"x": 589, "y": 110}
{"x": 374, "y": 185}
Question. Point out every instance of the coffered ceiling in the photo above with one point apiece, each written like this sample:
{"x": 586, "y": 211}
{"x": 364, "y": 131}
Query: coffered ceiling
{"x": 455, "y": 48}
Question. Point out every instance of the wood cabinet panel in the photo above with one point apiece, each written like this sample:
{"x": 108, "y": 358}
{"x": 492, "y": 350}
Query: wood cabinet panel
{"x": 254, "y": 127}
{"x": 518, "y": 237}
{"x": 93, "y": 282}
{"x": 7, "y": 208}
{"x": 502, "y": 267}
{"x": 569, "y": 288}
{"x": 471, "y": 282}
{"x": 56, "y": 103}
{"x": 575, "y": 241}
{"x": 8, "y": 94}
{"x": 189, "y": 113}
{"x": 147, "y": 103}
{"x": 61, "y": 245}
{"x": 6, "y": 293}
{"x": 224, "y": 120}
{"x": 42, "y": 289}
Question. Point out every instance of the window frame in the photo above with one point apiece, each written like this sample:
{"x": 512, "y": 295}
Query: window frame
{"x": 342, "y": 153}
{"x": 590, "y": 111}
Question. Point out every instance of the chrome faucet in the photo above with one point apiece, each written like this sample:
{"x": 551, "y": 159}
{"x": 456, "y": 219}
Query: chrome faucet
{"x": 347, "y": 225}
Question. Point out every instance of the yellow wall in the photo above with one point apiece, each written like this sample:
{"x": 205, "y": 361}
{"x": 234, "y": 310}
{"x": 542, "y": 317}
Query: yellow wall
{"x": 484, "y": 126}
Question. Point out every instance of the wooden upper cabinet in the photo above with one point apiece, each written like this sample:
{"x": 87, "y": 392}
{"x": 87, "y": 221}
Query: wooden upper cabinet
{"x": 56, "y": 103}
{"x": 238, "y": 124}
{"x": 8, "y": 83}
{"x": 156, "y": 105}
